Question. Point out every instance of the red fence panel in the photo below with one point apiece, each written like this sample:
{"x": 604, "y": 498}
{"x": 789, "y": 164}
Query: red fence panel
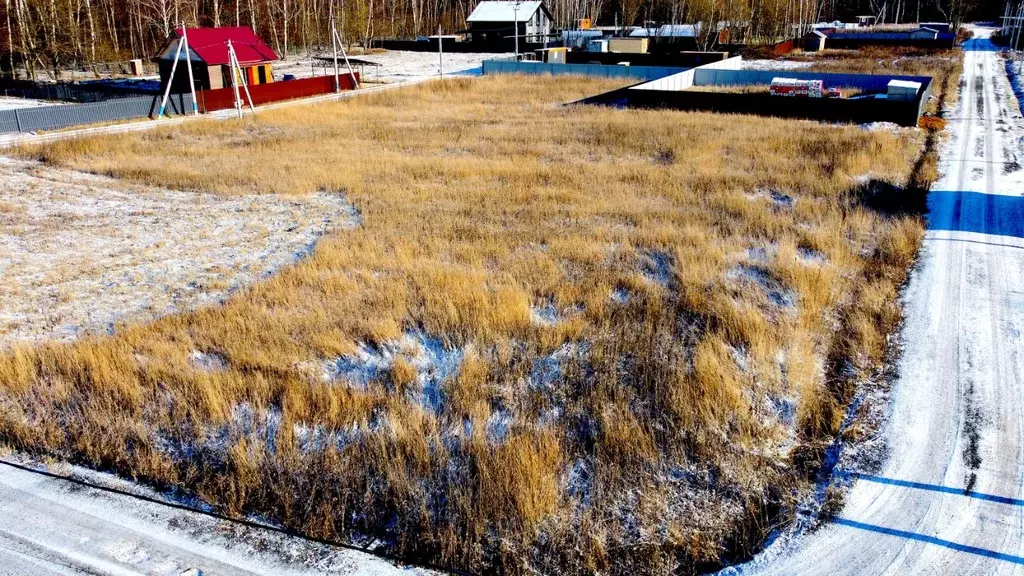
{"x": 783, "y": 48}
{"x": 224, "y": 98}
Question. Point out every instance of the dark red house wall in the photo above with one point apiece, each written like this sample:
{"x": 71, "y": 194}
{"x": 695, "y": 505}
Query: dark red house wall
{"x": 224, "y": 98}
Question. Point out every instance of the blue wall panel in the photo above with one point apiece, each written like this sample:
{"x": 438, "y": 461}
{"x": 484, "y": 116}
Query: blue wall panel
{"x": 600, "y": 70}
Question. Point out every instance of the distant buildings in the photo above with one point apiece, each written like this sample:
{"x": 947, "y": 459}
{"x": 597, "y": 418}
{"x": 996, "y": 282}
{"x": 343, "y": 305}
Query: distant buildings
{"x": 493, "y": 21}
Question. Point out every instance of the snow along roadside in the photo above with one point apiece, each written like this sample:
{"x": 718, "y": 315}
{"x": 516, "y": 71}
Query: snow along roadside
{"x": 949, "y": 498}
{"x": 49, "y": 526}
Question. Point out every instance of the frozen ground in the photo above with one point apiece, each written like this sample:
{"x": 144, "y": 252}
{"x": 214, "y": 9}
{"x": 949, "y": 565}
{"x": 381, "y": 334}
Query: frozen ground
{"x": 947, "y": 496}
{"x": 396, "y": 65}
{"x": 49, "y": 526}
{"x": 777, "y": 64}
{"x": 79, "y": 253}
{"x": 12, "y": 103}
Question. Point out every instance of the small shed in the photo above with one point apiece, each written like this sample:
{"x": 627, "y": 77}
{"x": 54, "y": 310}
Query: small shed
{"x": 814, "y": 41}
{"x": 902, "y": 90}
{"x": 493, "y": 21}
{"x": 923, "y": 34}
{"x": 211, "y": 63}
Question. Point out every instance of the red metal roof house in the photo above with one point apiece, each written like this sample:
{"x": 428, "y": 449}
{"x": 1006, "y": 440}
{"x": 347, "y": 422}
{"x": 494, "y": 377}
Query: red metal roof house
{"x": 211, "y": 67}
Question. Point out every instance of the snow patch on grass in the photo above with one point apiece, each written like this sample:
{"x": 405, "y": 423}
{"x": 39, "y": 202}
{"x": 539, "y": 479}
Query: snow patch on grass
{"x": 761, "y": 254}
{"x": 811, "y": 257}
{"x": 753, "y": 276}
{"x": 779, "y": 199}
{"x": 258, "y": 428}
{"x": 578, "y": 480}
{"x": 740, "y": 357}
{"x": 620, "y": 295}
{"x": 368, "y": 363}
{"x": 656, "y": 266}
{"x": 433, "y": 362}
{"x": 317, "y": 438}
{"x": 544, "y": 315}
{"x": 498, "y": 425}
{"x": 551, "y": 368}
{"x": 783, "y": 408}
{"x": 208, "y": 361}
{"x": 886, "y": 126}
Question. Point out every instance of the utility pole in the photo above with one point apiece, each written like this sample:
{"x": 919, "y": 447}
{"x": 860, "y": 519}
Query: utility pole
{"x": 1018, "y": 24}
{"x": 344, "y": 54}
{"x": 515, "y": 25}
{"x": 1015, "y": 21}
{"x": 236, "y": 65}
{"x": 188, "y": 63}
{"x": 170, "y": 79}
{"x": 334, "y": 48}
{"x": 236, "y": 76}
{"x": 1018, "y": 28}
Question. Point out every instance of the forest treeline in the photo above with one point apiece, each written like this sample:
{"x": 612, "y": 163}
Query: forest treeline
{"x": 44, "y": 36}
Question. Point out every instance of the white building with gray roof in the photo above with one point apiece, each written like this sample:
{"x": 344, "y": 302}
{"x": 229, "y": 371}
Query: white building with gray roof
{"x": 496, "y": 21}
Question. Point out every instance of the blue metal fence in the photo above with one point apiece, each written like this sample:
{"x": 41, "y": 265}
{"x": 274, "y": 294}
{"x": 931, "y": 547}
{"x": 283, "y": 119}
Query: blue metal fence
{"x": 866, "y": 36}
{"x": 601, "y": 70}
{"x": 64, "y": 116}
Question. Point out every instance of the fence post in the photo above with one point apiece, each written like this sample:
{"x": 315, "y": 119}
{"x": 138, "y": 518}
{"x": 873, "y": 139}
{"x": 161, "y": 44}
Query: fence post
{"x": 17, "y": 119}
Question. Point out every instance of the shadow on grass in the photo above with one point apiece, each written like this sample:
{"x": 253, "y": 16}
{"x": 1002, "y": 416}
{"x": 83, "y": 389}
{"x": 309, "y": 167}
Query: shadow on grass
{"x": 891, "y": 200}
{"x": 888, "y": 199}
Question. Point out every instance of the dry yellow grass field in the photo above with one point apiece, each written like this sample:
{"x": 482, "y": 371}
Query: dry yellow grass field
{"x": 562, "y": 339}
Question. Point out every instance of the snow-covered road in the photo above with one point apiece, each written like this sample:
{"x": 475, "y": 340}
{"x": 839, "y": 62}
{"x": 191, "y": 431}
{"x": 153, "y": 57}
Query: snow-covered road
{"x": 50, "y": 527}
{"x": 950, "y": 497}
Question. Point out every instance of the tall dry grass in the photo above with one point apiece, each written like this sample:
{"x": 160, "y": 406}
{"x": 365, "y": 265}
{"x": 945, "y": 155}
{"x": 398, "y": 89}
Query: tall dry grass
{"x": 710, "y": 277}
